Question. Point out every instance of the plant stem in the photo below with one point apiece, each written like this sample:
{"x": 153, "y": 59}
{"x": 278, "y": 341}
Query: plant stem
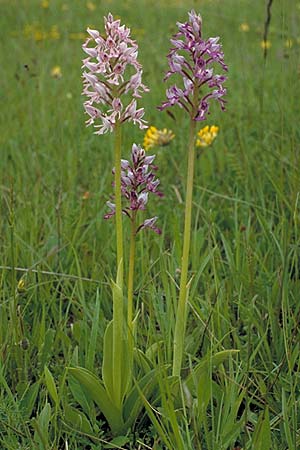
{"x": 183, "y": 292}
{"x": 130, "y": 278}
{"x": 118, "y": 201}
{"x": 118, "y": 311}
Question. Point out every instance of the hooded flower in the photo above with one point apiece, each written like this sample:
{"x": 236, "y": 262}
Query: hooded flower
{"x": 193, "y": 59}
{"x": 137, "y": 182}
{"x": 106, "y": 81}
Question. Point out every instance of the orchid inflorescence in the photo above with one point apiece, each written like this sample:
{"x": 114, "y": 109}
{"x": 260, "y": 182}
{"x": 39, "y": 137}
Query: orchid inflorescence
{"x": 104, "y": 77}
{"x": 192, "y": 58}
{"x": 137, "y": 181}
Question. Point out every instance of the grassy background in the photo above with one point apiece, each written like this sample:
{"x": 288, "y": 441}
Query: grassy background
{"x": 245, "y": 243}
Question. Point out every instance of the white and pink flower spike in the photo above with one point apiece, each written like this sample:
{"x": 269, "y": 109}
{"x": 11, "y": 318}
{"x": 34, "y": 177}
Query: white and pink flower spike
{"x": 105, "y": 78}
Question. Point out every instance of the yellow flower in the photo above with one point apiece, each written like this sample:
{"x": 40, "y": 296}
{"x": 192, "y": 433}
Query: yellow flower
{"x": 244, "y": 27}
{"x": 289, "y": 43}
{"x": 157, "y": 138}
{"x": 206, "y": 136}
{"x": 54, "y": 33}
{"x": 91, "y": 6}
{"x": 56, "y": 72}
{"x": 39, "y": 35}
{"x": 45, "y": 4}
{"x": 265, "y": 44}
{"x": 21, "y": 286}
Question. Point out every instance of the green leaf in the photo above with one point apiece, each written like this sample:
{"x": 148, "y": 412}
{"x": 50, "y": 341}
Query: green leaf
{"x": 203, "y": 393}
{"x": 41, "y": 425}
{"x": 117, "y": 342}
{"x": 142, "y": 360}
{"x": 192, "y": 380}
{"x": 93, "y": 340}
{"x": 77, "y": 420}
{"x": 95, "y": 390}
{"x": 107, "y": 363}
{"x": 117, "y": 442}
{"x": 28, "y": 400}
{"x": 46, "y": 348}
{"x": 133, "y": 403}
{"x": 126, "y": 369}
{"x": 79, "y": 395}
{"x": 262, "y": 434}
{"x": 50, "y": 383}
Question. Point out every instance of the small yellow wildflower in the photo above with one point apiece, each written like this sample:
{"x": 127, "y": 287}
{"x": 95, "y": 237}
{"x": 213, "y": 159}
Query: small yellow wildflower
{"x": 56, "y": 72}
{"x": 244, "y": 27}
{"x": 45, "y": 4}
{"x": 157, "y": 138}
{"x": 21, "y": 286}
{"x": 54, "y": 33}
{"x": 265, "y": 44}
{"x": 91, "y": 6}
{"x": 206, "y": 136}
{"x": 39, "y": 35}
{"x": 288, "y": 43}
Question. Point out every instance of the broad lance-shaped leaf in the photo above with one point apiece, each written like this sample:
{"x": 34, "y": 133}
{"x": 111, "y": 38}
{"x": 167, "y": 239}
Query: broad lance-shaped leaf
{"x": 77, "y": 420}
{"x": 107, "y": 365}
{"x": 134, "y": 403}
{"x": 118, "y": 329}
{"x": 96, "y": 392}
{"x": 262, "y": 434}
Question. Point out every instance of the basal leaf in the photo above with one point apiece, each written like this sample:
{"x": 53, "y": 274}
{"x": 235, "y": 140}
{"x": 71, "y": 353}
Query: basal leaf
{"x": 95, "y": 390}
{"x": 50, "y": 383}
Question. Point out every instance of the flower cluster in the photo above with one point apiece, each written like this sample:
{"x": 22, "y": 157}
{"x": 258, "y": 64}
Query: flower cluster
{"x": 206, "y": 136}
{"x": 104, "y": 77}
{"x": 192, "y": 58}
{"x": 156, "y": 138}
{"x": 137, "y": 181}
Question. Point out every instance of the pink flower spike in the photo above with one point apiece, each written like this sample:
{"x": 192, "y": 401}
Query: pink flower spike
{"x": 112, "y": 70}
{"x": 194, "y": 59}
{"x": 137, "y": 183}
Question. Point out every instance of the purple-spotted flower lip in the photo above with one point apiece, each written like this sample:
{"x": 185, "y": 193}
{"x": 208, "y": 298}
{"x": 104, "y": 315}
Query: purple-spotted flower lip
{"x": 138, "y": 181}
{"x": 106, "y": 77}
{"x": 193, "y": 59}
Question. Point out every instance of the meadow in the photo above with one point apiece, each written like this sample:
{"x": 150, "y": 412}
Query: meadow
{"x": 239, "y": 386}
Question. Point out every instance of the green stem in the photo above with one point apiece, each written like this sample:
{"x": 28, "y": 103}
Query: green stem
{"x": 130, "y": 279}
{"x": 118, "y": 311}
{"x": 118, "y": 201}
{"x": 183, "y": 291}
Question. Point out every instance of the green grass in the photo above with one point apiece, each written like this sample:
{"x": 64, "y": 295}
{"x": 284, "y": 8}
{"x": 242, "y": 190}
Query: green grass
{"x": 245, "y": 252}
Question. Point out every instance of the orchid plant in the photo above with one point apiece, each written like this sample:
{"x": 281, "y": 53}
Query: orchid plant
{"x": 112, "y": 91}
{"x": 192, "y": 59}
{"x": 112, "y": 100}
